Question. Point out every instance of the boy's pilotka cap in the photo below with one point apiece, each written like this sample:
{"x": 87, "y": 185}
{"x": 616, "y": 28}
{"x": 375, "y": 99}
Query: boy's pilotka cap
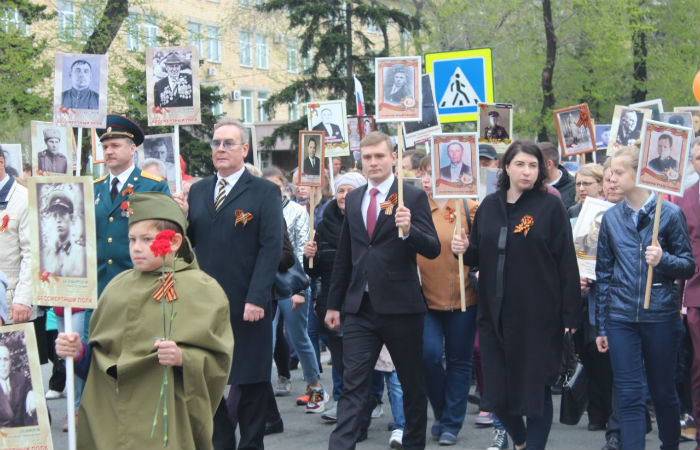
{"x": 156, "y": 206}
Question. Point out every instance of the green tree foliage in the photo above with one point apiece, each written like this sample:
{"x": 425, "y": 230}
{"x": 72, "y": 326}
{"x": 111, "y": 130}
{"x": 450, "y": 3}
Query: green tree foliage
{"x": 331, "y": 31}
{"x": 21, "y": 68}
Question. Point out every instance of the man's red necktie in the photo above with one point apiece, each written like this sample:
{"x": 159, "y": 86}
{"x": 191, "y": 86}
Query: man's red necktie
{"x": 372, "y": 211}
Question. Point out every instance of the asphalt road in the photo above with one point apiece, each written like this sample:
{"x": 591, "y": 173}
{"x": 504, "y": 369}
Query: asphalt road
{"x": 307, "y": 432}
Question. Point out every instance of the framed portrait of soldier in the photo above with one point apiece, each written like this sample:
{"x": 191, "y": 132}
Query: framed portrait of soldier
{"x": 330, "y": 118}
{"x": 24, "y": 418}
{"x": 98, "y": 155}
{"x": 53, "y": 148}
{"x": 252, "y": 157}
{"x": 62, "y": 232}
{"x": 602, "y": 135}
{"x": 311, "y": 158}
{"x": 656, "y": 106}
{"x": 419, "y": 132}
{"x": 495, "y": 125}
{"x": 162, "y": 159}
{"x": 80, "y": 90}
{"x": 397, "y": 85}
{"x": 13, "y": 159}
{"x": 586, "y": 232}
{"x": 575, "y": 130}
{"x": 663, "y": 157}
{"x": 626, "y": 127}
{"x": 455, "y": 165}
{"x": 682, "y": 119}
{"x": 695, "y": 113}
{"x": 172, "y": 86}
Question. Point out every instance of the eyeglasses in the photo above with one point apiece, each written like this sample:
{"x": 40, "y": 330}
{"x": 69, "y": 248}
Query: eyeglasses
{"x": 584, "y": 183}
{"x": 229, "y": 144}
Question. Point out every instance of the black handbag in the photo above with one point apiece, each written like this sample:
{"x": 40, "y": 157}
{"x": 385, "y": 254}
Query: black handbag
{"x": 290, "y": 282}
{"x": 574, "y": 391}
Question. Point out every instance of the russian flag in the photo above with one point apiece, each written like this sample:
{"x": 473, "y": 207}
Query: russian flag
{"x": 359, "y": 97}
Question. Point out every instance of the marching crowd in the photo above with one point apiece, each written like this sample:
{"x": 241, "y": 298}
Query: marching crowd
{"x": 382, "y": 294}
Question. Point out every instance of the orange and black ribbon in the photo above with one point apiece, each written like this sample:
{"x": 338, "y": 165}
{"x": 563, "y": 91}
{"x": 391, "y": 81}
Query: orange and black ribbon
{"x": 242, "y": 217}
{"x": 388, "y": 206}
{"x": 583, "y": 118}
{"x": 166, "y": 288}
{"x": 5, "y": 221}
{"x": 524, "y": 226}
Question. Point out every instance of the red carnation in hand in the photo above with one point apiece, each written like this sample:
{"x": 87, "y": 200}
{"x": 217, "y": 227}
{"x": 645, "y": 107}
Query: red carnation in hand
{"x": 161, "y": 245}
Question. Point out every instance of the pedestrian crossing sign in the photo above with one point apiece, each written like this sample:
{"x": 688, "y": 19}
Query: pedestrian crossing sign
{"x": 462, "y": 79}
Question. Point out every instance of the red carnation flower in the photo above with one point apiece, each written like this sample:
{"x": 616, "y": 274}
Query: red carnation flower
{"x": 161, "y": 245}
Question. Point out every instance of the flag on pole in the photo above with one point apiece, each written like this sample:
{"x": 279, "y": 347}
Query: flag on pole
{"x": 359, "y": 97}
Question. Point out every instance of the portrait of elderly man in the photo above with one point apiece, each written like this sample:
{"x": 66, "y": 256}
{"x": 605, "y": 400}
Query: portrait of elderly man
{"x": 17, "y": 403}
{"x": 174, "y": 90}
{"x": 80, "y": 96}
{"x": 456, "y": 167}
{"x": 664, "y": 161}
{"x": 398, "y": 86}
{"x": 628, "y": 131}
{"x": 493, "y": 130}
{"x": 332, "y": 130}
{"x": 63, "y": 254}
{"x": 158, "y": 148}
{"x": 51, "y": 159}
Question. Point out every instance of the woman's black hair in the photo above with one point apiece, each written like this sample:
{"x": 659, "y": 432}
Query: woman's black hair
{"x": 523, "y": 146}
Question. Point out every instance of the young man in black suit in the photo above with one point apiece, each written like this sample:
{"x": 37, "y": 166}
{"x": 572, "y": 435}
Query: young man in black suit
{"x": 312, "y": 164}
{"x": 235, "y": 227}
{"x": 375, "y": 284}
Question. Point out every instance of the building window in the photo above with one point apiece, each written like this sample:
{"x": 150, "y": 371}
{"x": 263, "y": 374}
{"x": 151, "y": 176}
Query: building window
{"x": 294, "y": 109}
{"x": 247, "y": 106}
{"x": 213, "y": 44}
{"x": 194, "y": 31}
{"x": 405, "y": 39}
{"x": 88, "y": 20}
{"x": 217, "y": 109}
{"x": 245, "y": 50}
{"x": 262, "y": 115}
{"x": 292, "y": 56}
{"x": 261, "y": 52}
{"x": 66, "y": 20}
{"x": 371, "y": 26}
{"x": 133, "y": 33}
{"x": 11, "y": 20}
{"x": 306, "y": 61}
{"x": 150, "y": 32}
{"x": 244, "y": 3}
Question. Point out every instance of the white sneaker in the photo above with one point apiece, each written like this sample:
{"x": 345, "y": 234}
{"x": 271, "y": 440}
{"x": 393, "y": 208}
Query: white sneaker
{"x": 377, "y": 412}
{"x": 53, "y": 395}
{"x": 331, "y": 414}
{"x": 396, "y": 440}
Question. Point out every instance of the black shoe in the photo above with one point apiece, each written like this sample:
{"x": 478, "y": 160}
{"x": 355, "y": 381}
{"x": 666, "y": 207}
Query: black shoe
{"x": 293, "y": 363}
{"x": 474, "y": 399}
{"x": 274, "y": 427}
{"x": 612, "y": 442}
{"x": 596, "y": 427}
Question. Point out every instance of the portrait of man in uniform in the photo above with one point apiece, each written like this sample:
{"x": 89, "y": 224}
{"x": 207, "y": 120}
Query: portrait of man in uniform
{"x": 663, "y": 161}
{"x": 80, "y": 95}
{"x": 62, "y": 230}
{"x": 175, "y": 88}
{"x": 17, "y": 402}
{"x": 457, "y": 167}
{"x": 53, "y": 157}
{"x": 493, "y": 130}
{"x": 399, "y": 84}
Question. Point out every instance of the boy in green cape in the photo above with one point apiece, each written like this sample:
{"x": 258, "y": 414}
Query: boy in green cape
{"x": 123, "y": 362}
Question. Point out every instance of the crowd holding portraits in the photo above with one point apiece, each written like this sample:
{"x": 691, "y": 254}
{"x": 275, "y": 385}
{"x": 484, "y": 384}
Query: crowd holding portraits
{"x": 80, "y": 90}
{"x": 455, "y": 165}
{"x": 398, "y": 89}
{"x": 663, "y": 157}
{"x": 172, "y": 85}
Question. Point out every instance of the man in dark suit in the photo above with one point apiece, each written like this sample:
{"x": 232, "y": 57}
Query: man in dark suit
{"x": 175, "y": 90}
{"x": 690, "y": 204}
{"x": 332, "y": 130}
{"x": 17, "y": 404}
{"x": 456, "y": 168}
{"x": 235, "y": 226}
{"x": 664, "y": 161}
{"x": 375, "y": 284}
{"x": 398, "y": 89}
{"x": 312, "y": 164}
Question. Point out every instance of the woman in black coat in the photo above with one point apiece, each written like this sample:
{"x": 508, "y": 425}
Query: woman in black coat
{"x": 529, "y": 293}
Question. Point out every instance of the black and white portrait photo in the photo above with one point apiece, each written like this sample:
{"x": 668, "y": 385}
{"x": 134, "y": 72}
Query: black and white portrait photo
{"x": 80, "y": 90}
{"x": 398, "y": 84}
{"x": 160, "y": 157}
{"x": 62, "y": 229}
{"x": 81, "y": 83}
{"x": 630, "y": 127}
{"x": 682, "y": 119}
{"x": 602, "y": 135}
{"x": 52, "y": 149}
{"x": 575, "y": 130}
{"x": 173, "y": 72}
{"x": 695, "y": 113}
{"x": 17, "y": 399}
{"x": 663, "y": 157}
{"x": 13, "y": 159}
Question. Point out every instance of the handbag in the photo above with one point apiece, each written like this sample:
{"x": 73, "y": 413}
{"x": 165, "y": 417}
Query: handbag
{"x": 291, "y": 281}
{"x": 574, "y": 391}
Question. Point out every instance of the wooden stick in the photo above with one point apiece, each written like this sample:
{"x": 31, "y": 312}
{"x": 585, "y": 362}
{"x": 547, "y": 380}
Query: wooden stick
{"x": 399, "y": 168}
{"x": 460, "y": 257}
{"x": 78, "y": 151}
{"x": 312, "y": 206}
{"x": 178, "y": 171}
{"x": 654, "y": 241}
{"x": 330, "y": 174}
{"x": 70, "y": 386}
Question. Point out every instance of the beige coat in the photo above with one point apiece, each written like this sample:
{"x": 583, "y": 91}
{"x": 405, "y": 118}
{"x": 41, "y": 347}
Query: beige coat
{"x": 15, "y": 253}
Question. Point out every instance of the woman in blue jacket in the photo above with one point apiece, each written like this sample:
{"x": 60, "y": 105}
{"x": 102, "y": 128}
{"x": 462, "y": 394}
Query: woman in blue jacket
{"x": 641, "y": 339}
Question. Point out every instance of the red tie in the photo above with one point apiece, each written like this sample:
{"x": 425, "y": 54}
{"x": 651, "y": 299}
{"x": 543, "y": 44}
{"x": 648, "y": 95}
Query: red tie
{"x": 372, "y": 211}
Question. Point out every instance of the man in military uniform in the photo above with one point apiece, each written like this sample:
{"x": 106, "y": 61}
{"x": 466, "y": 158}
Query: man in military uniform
{"x": 175, "y": 90}
{"x": 119, "y": 141}
{"x": 80, "y": 96}
{"x": 494, "y": 130}
{"x": 65, "y": 256}
{"x": 51, "y": 159}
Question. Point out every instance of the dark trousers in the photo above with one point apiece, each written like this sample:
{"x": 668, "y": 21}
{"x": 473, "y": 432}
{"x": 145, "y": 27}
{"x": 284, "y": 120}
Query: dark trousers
{"x": 599, "y": 376}
{"x": 363, "y": 336}
{"x": 57, "y": 382}
{"x": 334, "y": 342}
{"x": 536, "y": 431}
{"x": 634, "y": 349}
{"x": 693, "y": 321}
{"x": 281, "y": 355}
{"x": 449, "y": 333}
{"x": 248, "y": 403}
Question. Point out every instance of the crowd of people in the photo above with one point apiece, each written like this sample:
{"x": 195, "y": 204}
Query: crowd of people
{"x": 384, "y": 298}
